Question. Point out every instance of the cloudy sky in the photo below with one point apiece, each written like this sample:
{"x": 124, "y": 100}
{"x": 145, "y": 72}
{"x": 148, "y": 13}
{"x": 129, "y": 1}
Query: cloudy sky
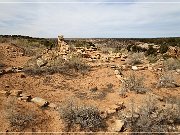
{"x": 90, "y": 18}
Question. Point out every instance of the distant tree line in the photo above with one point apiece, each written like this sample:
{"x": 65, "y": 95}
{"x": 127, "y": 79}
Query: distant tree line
{"x": 173, "y": 41}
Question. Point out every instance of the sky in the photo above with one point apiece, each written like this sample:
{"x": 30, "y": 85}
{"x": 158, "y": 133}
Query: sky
{"x": 90, "y": 18}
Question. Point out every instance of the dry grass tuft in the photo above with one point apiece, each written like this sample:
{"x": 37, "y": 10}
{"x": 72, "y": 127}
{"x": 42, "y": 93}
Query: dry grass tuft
{"x": 136, "y": 58}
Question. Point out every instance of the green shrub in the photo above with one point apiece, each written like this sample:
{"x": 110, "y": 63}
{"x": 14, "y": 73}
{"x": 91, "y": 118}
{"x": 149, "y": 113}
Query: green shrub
{"x": 135, "y": 48}
{"x": 163, "y": 48}
{"x": 151, "y": 50}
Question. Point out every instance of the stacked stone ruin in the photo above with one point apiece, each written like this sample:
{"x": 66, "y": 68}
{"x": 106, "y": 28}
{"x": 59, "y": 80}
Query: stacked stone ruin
{"x": 62, "y": 45}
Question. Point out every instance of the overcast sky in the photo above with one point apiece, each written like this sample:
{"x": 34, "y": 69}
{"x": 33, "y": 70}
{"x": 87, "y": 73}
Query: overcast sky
{"x": 90, "y": 18}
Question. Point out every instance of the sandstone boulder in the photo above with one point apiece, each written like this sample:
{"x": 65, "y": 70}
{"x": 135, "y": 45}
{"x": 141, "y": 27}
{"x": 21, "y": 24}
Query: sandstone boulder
{"x": 40, "y": 101}
{"x": 118, "y": 126}
{"x": 52, "y": 105}
{"x": 116, "y": 72}
{"x": 135, "y": 68}
{"x": 25, "y": 97}
{"x": 110, "y": 111}
{"x": 178, "y": 71}
{"x": 41, "y": 62}
{"x": 9, "y": 70}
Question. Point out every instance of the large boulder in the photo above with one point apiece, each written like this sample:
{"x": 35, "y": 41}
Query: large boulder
{"x": 117, "y": 126}
{"x": 40, "y": 101}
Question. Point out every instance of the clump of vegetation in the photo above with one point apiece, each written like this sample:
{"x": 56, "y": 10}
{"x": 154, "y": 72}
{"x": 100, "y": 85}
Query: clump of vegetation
{"x": 152, "y": 58}
{"x": 20, "y": 121}
{"x": 152, "y": 117}
{"x": 163, "y": 48}
{"x": 87, "y": 117}
{"x": 77, "y": 64}
{"x": 81, "y": 43}
{"x": 166, "y": 81}
{"x": 21, "y": 118}
{"x": 151, "y": 50}
{"x": 173, "y": 41}
{"x": 135, "y": 48}
{"x": 133, "y": 83}
{"x": 172, "y": 64}
{"x": 105, "y": 50}
{"x": 1, "y": 60}
{"x": 58, "y": 65}
{"x": 135, "y": 58}
{"x": 31, "y": 46}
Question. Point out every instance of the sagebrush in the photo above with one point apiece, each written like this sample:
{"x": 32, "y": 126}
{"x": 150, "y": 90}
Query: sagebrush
{"x": 87, "y": 117}
{"x": 133, "y": 83}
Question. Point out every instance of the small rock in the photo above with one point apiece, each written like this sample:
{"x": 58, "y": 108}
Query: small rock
{"x": 39, "y": 101}
{"x": 25, "y": 97}
{"x": 20, "y": 68}
{"x": 116, "y": 107}
{"x": 2, "y": 72}
{"x": 104, "y": 114}
{"x": 7, "y": 86}
{"x": 160, "y": 69}
{"x": 120, "y": 105}
{"x": 142, "y": 67}
{"x": 113, "y": 66}
{"x": 150, "y": 68}
{"x": 119, "y": 77}
{"x": 16, "y": 93}
{"x": 129, "y": 116}
{"x": 118, "y": 126}
{"x": 5, "y": 93}
{"x": 134, "y": 68}
{"x": 124, "y": 56}
{"x": 40, "y": 62}
{"x": 52, "y": 105}
{"x": 116, "y": 72}
{"x": 178, "y": 71}
{"x": 9, "y": 70}
{"x": 110, "y": 111}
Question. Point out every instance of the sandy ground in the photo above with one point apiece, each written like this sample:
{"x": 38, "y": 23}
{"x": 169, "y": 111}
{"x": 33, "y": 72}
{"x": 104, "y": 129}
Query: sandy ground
{"x": 58, "y": 88}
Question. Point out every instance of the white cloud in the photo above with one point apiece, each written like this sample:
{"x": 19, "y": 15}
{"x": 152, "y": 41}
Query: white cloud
{"x": 90, "y": 20}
